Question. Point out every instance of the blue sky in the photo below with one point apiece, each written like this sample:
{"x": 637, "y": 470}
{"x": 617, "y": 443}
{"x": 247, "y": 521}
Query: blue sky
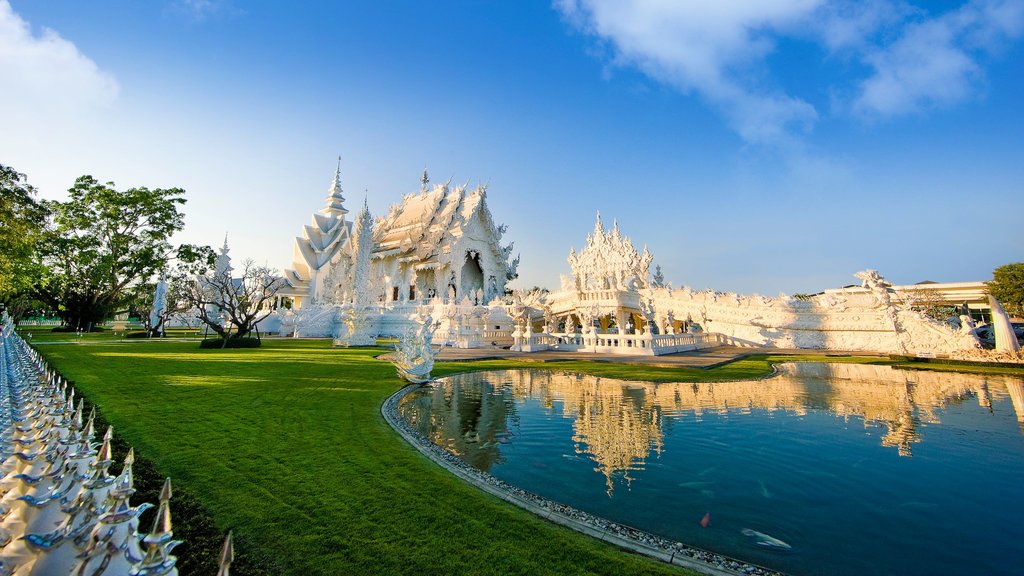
{"x": 776, "y": 145}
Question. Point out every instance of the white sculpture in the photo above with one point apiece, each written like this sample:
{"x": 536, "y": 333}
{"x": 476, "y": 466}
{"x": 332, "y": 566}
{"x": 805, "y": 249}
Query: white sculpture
{"x": 1006, "y": 339}
{"x": 159, "y": 302}
{"x": 414, "y": 354}
{"x": 62, "y": 511}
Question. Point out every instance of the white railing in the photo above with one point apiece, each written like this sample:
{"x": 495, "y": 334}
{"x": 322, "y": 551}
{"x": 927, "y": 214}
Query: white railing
{"x": 40, "y": 323}
{"x": 614, "y": 343}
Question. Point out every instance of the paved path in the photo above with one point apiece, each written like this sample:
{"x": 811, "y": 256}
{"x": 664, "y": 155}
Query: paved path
{"x": 707, "y": 358}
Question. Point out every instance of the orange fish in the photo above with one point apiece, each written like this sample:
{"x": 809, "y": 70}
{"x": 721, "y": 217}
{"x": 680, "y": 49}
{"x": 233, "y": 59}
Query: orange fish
{"x": 706, "y": 520}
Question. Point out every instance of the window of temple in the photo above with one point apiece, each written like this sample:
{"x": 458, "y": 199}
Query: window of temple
{"x": 412, "y": 292}
{"x": 394, "y": 293}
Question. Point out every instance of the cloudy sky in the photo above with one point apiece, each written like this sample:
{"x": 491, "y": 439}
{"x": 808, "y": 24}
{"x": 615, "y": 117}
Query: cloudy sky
{"x": 754, "y": 146}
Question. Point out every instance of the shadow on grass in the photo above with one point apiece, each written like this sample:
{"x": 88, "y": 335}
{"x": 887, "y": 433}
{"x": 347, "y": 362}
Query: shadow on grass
{"x": 191, "y": 521}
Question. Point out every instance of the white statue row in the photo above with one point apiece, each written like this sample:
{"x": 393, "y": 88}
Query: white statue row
{"x": 61, "y": 510}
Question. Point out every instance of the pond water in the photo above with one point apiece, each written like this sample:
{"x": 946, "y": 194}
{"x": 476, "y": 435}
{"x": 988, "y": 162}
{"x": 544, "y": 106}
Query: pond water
{"x": 823, "y": 469}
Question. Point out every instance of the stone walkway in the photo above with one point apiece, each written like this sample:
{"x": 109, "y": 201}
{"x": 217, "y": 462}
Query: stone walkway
{"x": 707, "y": 358}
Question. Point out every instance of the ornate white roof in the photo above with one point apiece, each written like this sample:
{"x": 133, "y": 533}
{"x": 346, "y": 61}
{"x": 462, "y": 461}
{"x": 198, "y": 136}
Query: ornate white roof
{"x": 609, "y": 261}
{"x": 322, "y": 238}
{"x": 423, "y": 226}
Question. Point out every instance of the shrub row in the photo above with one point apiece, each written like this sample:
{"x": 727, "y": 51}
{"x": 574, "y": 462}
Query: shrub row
{"x": 243, "y": 342}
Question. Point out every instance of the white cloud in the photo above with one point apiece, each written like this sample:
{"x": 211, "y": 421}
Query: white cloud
{"x": 933, "y": 64}
{"x": 719, "y": 50}
{"x": 46, "y": 74}
{"x": 203, "y": 10}
{"x": 52, "y": 95}
{"x": 707, "y": 47}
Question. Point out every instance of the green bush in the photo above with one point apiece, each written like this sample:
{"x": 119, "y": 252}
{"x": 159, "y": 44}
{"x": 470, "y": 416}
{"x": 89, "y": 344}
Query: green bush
{"x": 137, "y": 334}
{"x": 243, "y": 342}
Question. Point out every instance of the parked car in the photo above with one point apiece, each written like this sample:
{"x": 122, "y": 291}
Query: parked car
{"x": 987, "y": 334}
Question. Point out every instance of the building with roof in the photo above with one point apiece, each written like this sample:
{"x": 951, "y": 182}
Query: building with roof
{"x": 437, "y": 246}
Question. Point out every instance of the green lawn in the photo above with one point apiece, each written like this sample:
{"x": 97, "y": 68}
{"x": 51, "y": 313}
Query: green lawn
{"x": 285, "y": 444}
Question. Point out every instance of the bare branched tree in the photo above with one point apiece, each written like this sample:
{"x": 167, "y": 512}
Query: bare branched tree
{"x": 232, "y": 307}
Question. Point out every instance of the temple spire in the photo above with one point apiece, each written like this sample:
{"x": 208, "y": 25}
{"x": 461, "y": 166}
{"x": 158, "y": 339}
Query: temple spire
{"x": 424, "y": 180}
{"x": 222, "y": 264}
{"x": 335, "y": 201}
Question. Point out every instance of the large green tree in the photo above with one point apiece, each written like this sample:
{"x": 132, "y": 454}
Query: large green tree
{"x": 102, "y": 242}
{"x": 24, "y": 219}
{"x": 1007, "y": 286}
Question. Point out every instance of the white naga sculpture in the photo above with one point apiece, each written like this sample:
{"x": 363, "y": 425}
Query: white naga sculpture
{"x": 414, "y": 353}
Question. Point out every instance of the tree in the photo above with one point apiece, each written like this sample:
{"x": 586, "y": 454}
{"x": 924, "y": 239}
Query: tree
{"x": 190, "y": 261}
{"x": 1007, "y": 286}
{"x": 231, "y": 307}
{"x": 102, "y": 242}
{"x": 24, "y": 220}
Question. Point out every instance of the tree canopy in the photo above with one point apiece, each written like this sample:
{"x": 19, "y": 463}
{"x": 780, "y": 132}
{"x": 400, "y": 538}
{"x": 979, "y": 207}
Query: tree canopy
{"x": 230, "y": 305}
{"x": 24, "y": 219}
{"x": 1007, "y": 286}
{"x": 102, "y": 242}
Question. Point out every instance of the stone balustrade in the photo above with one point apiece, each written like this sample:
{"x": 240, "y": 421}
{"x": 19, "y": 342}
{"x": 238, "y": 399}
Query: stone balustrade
{"x": 615, "y": 343}
{"x": 61, "y": 510}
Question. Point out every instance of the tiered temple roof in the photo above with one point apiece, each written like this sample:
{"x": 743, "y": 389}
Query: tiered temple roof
{"x": 322, "y": 238}
{"x": 420, "y": 227}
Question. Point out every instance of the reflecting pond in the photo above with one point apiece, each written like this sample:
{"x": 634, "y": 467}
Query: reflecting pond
{"x": 825, "y": 468}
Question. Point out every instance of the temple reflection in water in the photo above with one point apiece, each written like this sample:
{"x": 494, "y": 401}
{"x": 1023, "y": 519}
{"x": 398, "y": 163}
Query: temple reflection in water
{"x": 618, "y": 424}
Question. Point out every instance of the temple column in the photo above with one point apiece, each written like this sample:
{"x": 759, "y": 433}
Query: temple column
{"x": 621, "y": 320}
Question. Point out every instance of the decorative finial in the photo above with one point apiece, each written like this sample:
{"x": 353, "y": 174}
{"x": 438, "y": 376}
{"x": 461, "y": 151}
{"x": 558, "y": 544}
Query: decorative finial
{"x": 335, "y": 201}
{"x": 227, "y": 556}
{"x": 424, "y": 180}
{"x": 104, "y": 454}
{"x": 224, "y": 249}
{"x": 162, "y": 521}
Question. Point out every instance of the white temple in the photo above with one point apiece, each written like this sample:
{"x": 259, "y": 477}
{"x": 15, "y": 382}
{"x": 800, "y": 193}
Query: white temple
{"x": 611, "y": 304}
{"x": 360, "y": 279}
{"x": 438, "y": 254}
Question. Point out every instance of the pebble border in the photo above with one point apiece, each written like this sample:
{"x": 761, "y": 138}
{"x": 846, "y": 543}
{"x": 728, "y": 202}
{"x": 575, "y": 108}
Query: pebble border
{"x": 620, "y": 535}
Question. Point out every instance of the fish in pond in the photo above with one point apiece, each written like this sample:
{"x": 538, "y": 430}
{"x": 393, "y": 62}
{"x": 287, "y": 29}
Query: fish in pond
{"x": 764, "y": 490}
{"x": 706, "y": 520}
{"x": 765, "y": 541}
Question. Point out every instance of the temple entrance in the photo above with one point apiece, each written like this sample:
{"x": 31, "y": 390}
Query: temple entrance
{"x": 426, "y": 283}
{"x": 472, "y": 274}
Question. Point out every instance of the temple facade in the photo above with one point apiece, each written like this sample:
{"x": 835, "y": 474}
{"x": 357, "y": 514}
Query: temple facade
{"x": 439, "y": 257}
{"x": 613, "y": 304}
{"x": 437, "y": 247}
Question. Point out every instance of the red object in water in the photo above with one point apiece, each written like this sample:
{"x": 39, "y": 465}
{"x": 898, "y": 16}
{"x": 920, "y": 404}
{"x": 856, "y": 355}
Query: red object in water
{"x": 706, "y": 520}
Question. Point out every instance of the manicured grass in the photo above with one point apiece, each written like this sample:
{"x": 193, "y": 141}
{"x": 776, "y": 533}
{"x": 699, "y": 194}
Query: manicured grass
{"x": 285, "y": 444}
{"x": 748, "y": 368}
{"x": 46, "y": 334}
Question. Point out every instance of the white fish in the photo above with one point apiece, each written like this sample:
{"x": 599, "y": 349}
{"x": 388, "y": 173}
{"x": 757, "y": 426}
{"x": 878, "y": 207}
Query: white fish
{"x": 764, "y": 490}
{"x": 764, "y": 540}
